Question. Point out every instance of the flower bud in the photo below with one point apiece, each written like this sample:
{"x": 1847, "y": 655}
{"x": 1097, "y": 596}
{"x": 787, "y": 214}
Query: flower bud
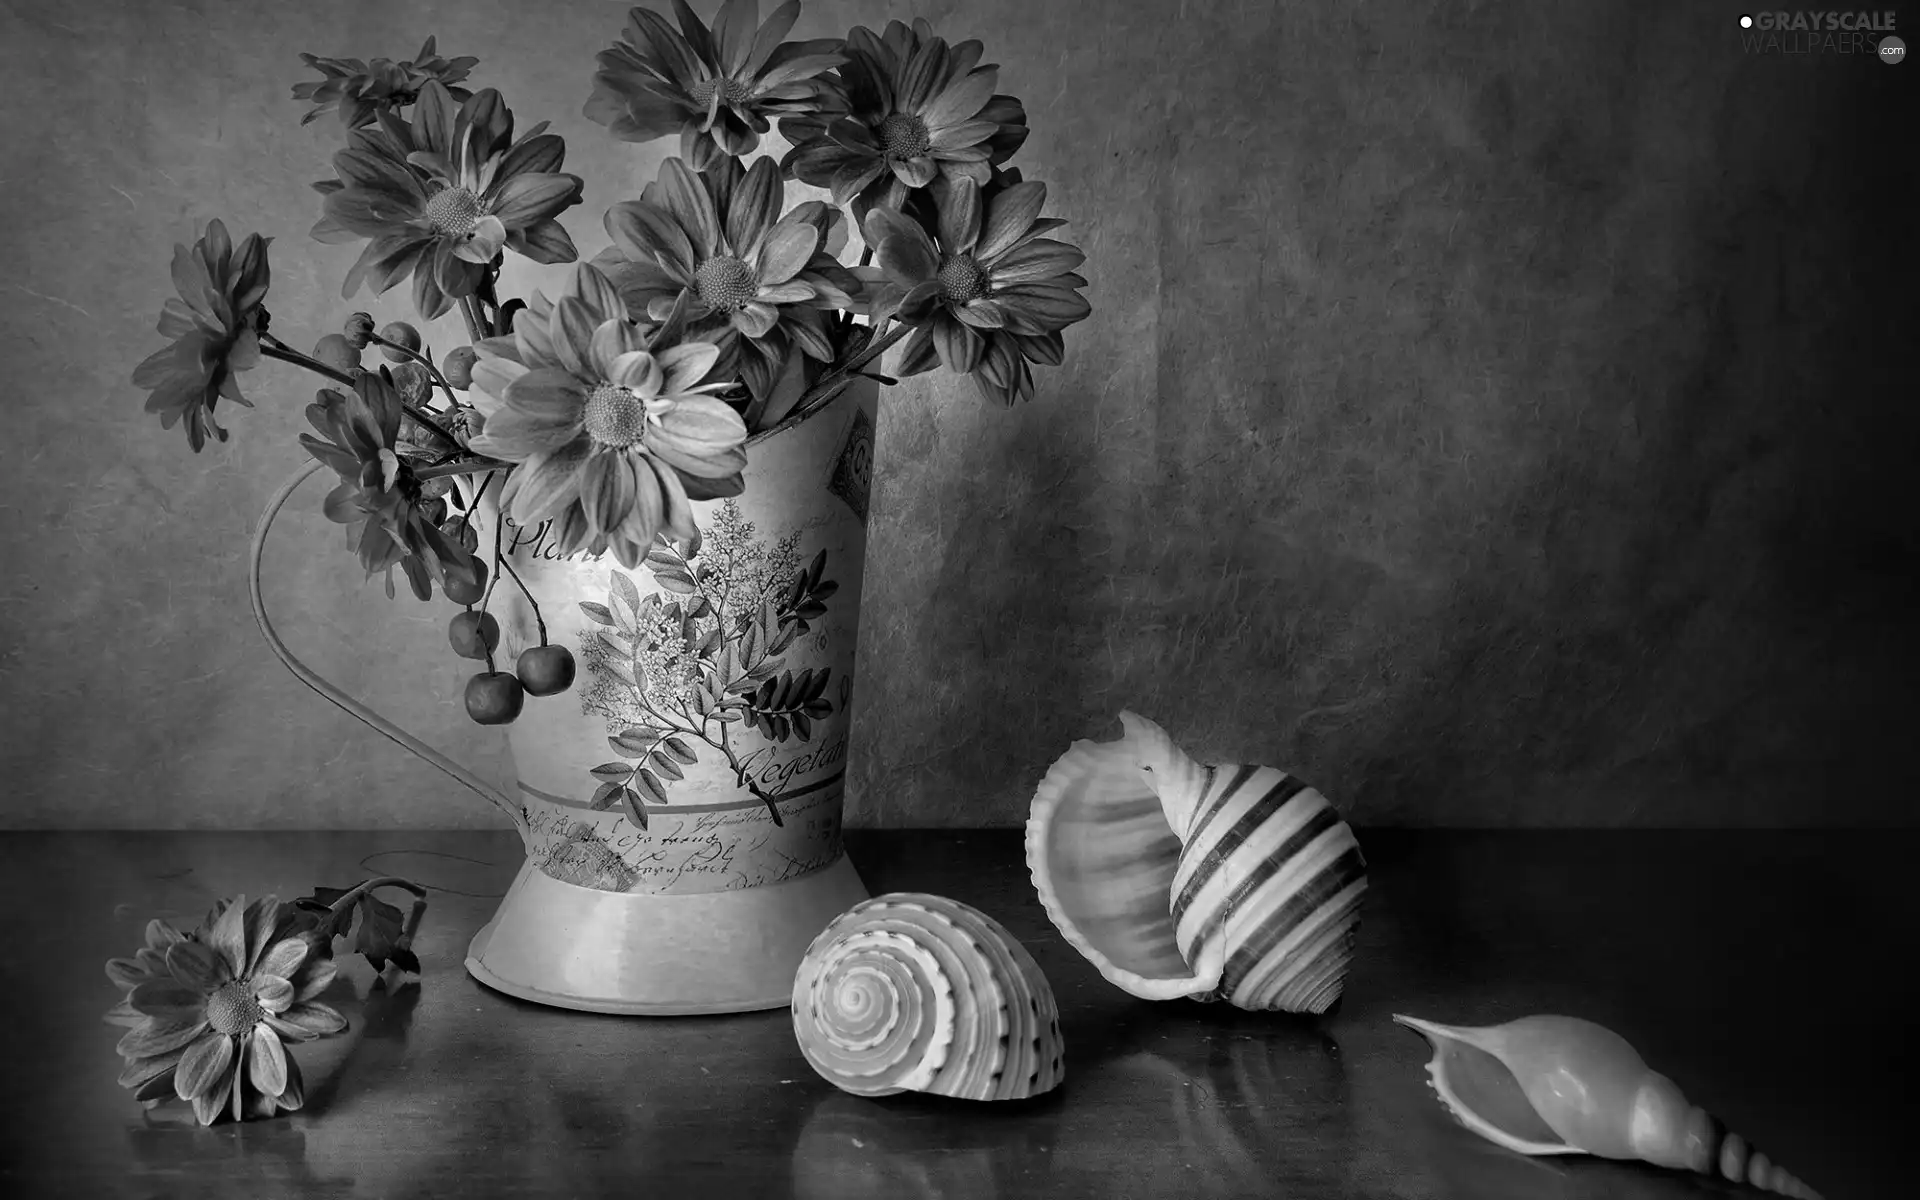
{"x": 399, "y": 333}
{"x": 337, "y": 352}
{"x": 359, "y": 330}
{"x": 458, "y": 366}
{"x": 413, "y": 383}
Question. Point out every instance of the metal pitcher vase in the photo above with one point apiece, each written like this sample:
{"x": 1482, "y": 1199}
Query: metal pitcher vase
{"x": 680, "y": 805}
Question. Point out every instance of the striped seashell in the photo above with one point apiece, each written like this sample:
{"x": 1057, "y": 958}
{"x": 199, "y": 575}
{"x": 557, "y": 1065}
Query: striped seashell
{"x": 910, "y": 992}
{"x": 1562, "y": 1085}
{"x": 1178, "y": 879}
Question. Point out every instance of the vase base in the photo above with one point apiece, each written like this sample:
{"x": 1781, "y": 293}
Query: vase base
{"x": 644, "y": 954}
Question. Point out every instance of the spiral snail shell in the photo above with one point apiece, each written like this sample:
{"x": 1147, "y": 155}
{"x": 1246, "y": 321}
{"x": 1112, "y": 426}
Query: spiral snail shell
{"x": 1562, "y": 1085}
{"x": 910, "y": 992}
{"x": 1177, "y": 879}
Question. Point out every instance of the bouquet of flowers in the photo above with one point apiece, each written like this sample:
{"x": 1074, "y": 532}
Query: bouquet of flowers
{"x": 720, "y": 311}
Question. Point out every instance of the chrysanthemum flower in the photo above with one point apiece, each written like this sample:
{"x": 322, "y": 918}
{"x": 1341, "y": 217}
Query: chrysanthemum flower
{"x": 750, "y": 281}
{"x": 213, "y": 1026}
{"x": 441, "y": 196}
{"x": 215, "y": 325}
{"x": 613, "y": 430}
{"x": 914, "y": 109}
{"x": 717, "y": 88}
{"x": 379, "y": 493}
{"x": 359, "y": 90}
{"x": 987, "y": 293}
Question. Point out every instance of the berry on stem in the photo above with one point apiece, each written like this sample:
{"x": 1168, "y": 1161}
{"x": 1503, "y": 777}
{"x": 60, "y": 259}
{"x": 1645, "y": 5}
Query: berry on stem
{"x": 545, "y": 670}
{"x": 400, "y": 334}
{"x": 337, "y": 352}
{"x": 473, "y": 634}
{"x": 494, "y": 698}
{"x": 461, "y": 592}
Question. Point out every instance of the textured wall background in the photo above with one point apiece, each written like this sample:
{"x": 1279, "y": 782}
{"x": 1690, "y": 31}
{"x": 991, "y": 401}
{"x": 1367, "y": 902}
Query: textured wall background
{"x": 1494, "y": 411}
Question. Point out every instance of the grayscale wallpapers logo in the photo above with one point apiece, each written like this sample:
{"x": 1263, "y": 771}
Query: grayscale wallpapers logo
{"x": 1823, "y": 32}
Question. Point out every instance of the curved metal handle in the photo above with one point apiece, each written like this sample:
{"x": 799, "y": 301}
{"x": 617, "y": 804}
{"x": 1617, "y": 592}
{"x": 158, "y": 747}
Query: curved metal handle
{"x": 312, "y": 679}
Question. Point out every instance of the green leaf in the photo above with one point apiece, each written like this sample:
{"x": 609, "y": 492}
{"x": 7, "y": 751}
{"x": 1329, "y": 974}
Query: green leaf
{"x": 818, "y": 687}
{"x": 680, "y": 750}
{"x": 813, "y": 572}
{"x": 802, "y": 726}
{"x": 634, "y": 743}
{"x": 619, "y": 771}
{"x": 605, "y": 796}
{"x": 597, "y": 612}
{"x": 750, "y": 647}
{"x": 630, "y": 800}
{"x": 784, "y": 639}
{"x": 823, "y": 591}
{"x": 379, "y": 932}
{"x": 651, "y": 786}
{"x": 699, "y": 606}
{"x": 763, "y": 699}
{"x": 614, "y": 642}
{"x": 676, "y": 582}
{"x": 624, "y": 674}
{"x": 666, "y": 766}
{"x": 623, "y": 589}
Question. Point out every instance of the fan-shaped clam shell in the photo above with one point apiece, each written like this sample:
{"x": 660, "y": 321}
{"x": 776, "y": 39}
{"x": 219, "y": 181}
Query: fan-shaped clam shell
{"x": 1562, "y": 1085}
{"x": 915, "y": 992}
{"x": 1175, "y": 879}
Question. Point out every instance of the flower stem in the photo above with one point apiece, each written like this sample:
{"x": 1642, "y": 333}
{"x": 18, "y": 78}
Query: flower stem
{"x": 383, "y": 881}
{"x": 470, "y": 466}
{"x": 424, "y": 361}
{"x": 273, "y": 347}
{"x": 529, "y": 595}
{"x": 476, "y": 325}
{"x": 836, "y": 381}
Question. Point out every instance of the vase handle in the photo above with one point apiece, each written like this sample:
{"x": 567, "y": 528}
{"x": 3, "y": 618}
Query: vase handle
{"x": 312, "y": 679}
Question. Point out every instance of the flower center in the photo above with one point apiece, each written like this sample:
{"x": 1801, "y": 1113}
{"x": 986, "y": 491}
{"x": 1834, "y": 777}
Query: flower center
{"x": 615, "y": 416}
{"x": 231, "y": 1009}
{"x": 453, "y": 211}
{"x": 903, "y": 135}
{"x": 961, "y": 279}
{"x": 732, "y": 91}
{"x": 725, "y": 283}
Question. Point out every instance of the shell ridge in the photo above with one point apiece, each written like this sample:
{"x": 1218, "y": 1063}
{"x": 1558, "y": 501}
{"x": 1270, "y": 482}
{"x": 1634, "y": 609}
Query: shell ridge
{"x": 914, "y": 992}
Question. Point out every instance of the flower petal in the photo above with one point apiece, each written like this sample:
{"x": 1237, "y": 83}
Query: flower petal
{"x": 127, "y": 972}
{"x": 686, "y": 200}
{"x": 676, "y": 516}
{"x": 159, "y": 1037}
{"x": 309, "y": 1019}
{"x": 1034, "y": 261}
{"x": 1008, "y": 216}
{"x": 916, "y": 172}
{"x": 202, "y": 1065}
{"x": 285, "y": 957}
{"x": 701, "y": 436}
{"x": 267, "y": 1061}
{"x": 646, "y": 232}
{"x": 961, "y": 100}
{"x": 788, "y": 246}
{"x": 607, "y": 491}
{"x": 274, "y": 993}
{"x": 525, "y": 199}
{"x": 904, "y": 250}
{"x": 545, "y": 483}
{"x": 686, "y": 365}
{"x": 756, "y": 320}
{"x": 316, "y": 978}
{"x": 168, "y": 1000}
{"x": 294, "y": 1094}
{"x": 611, "y": 341}
{"x": 262, "y": 917}
{"x": 489, "y": 234}
{"x": 196, "y": 964}
{"x": 639, "y": 372}
{"x": 959, "y": 210}
{"x": 958, "y": 344}
{"x": 161, "y": 934}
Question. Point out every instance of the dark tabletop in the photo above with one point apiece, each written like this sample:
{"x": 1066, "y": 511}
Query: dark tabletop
{"x": 1758, "y": 970}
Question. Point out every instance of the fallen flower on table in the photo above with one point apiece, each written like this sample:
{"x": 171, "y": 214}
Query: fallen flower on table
{"x": 209, "y": 1012}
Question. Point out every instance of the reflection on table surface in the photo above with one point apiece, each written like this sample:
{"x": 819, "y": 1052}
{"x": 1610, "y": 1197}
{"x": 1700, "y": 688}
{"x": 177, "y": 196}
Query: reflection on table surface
{"x": 1720, "y": 956}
